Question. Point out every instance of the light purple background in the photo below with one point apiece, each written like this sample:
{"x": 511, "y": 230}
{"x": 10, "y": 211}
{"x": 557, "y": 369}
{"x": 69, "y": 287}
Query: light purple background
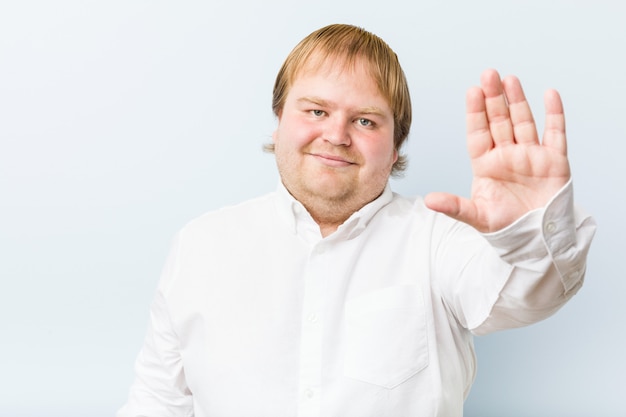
{"x": 122, "y": 120}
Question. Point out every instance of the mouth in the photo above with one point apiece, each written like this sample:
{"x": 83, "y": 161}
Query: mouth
{"x": 332, "y": 160}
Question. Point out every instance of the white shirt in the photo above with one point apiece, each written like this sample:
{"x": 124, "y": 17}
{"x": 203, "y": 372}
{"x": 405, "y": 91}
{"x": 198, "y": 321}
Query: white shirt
{"x": 257, "y": 315}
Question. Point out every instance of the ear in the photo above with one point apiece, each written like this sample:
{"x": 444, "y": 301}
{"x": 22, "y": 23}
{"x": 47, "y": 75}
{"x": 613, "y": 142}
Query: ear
{"x": 395, "y": 156}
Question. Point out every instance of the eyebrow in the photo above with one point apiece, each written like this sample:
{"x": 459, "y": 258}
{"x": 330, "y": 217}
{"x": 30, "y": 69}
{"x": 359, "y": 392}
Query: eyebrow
{"x": 324, "y": 103}
{"x": 314, "y": 100}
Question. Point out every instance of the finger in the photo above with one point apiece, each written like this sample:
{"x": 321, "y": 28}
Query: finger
{"x": 554, "y": 132}
{"x": 479, "y": 138}
{"x": 497, "y": 108}
{"x": 456, "y": 207}
{"x": 524, "y": 128}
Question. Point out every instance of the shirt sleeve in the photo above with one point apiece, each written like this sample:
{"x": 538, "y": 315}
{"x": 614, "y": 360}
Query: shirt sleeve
{"x": 525, "y": 272}
{"x": 159, "y": 388}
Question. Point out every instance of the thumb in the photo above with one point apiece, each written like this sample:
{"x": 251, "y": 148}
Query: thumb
{"x": 453, "y": 206}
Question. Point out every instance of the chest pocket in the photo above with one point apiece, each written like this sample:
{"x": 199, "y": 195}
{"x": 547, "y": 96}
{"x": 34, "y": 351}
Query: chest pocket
{"x": 386, "y": 336}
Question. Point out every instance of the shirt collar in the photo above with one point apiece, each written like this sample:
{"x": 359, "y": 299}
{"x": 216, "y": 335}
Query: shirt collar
{"x": 301, "y": 223}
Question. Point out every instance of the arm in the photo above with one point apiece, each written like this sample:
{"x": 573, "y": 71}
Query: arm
{"x": 532, "y": 254}
{"x": 160, "y": 389}
{"x": 547, "y": 250}
{"x": 518, "y": 275}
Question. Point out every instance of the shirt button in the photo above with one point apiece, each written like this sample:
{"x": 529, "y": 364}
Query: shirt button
{"x": 312, "y": 318}
{"x": 550, "y": 227}
{"x": 308, "y": 393}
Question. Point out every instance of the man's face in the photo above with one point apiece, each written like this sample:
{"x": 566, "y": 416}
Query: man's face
{"x": 334, "y": 142}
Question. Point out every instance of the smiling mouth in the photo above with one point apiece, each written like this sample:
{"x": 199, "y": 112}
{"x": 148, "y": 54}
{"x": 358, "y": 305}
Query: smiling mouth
{"x": 332, "y": 160}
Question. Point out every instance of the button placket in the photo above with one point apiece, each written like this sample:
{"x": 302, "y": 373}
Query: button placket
{"x": 311, "y": 334}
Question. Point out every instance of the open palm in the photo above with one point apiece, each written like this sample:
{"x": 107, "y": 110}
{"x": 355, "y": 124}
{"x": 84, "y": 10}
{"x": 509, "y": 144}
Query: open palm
{"x": 513, "y": 172}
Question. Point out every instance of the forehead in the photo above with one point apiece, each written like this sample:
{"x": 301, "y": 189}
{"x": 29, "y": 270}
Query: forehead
{"x": 337, "y": 82}
{"x": 319, "y": 63}
{"x": 338, "y": 87}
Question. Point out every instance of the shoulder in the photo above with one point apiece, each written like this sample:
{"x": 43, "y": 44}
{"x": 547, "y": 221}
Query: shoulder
{"x": 240, "y": 215}
{"x": 412, "y": 210}
{"x": 409, "y": 207}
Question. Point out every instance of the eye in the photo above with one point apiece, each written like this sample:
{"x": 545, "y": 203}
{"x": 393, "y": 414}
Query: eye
{"x": 365, "y": 122}
{"x": 318, "y": 113}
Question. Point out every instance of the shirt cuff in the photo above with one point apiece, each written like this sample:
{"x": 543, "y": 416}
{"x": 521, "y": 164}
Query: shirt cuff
{"x": 548, "y": 231}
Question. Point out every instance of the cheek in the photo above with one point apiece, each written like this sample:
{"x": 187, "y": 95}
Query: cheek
{"x": 295, "y": 133}
{"x": 384, "y": 155}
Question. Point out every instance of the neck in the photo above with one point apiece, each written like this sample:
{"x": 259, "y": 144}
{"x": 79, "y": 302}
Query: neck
{"x": 328, "y": 229}
{"x": 330, "y": 214}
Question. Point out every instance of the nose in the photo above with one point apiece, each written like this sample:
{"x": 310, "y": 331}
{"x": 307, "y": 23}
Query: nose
{"x": 337, "y": 132}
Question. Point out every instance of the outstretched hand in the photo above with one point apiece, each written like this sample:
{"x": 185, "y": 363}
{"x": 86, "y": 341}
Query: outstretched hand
{"x": 513, "y": 172}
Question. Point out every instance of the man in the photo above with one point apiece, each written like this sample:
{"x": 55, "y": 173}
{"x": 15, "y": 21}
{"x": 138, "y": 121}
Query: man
{"x": 333, "y": 296}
